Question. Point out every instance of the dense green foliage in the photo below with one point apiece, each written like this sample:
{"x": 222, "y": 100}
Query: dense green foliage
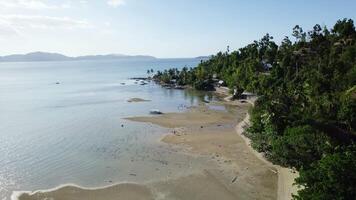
{"x": 332, "y": 177}
{"x": 305, "y": 116}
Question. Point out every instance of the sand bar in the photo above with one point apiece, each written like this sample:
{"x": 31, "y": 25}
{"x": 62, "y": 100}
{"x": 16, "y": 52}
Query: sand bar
{"x": 136, "y": 100}
{"x": 235, "y": 172}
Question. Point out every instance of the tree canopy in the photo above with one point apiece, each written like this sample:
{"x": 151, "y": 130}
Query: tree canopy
{"x": 305, "y": 116}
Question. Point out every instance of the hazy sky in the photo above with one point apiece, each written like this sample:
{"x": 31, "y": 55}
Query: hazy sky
{"x": 162, "y": 28}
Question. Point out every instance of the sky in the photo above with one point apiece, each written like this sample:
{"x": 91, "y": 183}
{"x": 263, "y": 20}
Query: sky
{"x": 161, "y": 28}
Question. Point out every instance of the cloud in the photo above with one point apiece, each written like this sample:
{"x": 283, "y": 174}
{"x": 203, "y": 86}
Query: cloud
{"x": 116, "y": 3}
{"x": 107, "y": 24}
{"x": 16, "y": 23}
{"x": 29, "y": 4}
{"x": 7, "y": 30}
{"x": 83, "y": 2}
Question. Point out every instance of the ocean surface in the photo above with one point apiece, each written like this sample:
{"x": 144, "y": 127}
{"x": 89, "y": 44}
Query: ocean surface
{"x": 75, "y": 131}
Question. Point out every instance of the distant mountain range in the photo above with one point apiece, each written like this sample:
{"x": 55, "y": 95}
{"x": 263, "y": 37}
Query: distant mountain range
{"x": 203, "y": 57}
{"x": 45, "y": 56}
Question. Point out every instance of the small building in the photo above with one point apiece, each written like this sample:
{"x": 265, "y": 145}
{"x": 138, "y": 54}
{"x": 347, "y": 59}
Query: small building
{"x": 218, "y": 82}
{"x": 267, "y": 66}
{"x": 248, "y": 95}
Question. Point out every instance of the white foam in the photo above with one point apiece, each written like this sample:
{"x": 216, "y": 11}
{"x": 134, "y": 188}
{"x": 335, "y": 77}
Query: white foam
{"x": 16, "y": 194}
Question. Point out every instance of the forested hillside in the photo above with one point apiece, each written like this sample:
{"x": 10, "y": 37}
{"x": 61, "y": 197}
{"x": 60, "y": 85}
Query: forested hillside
{"x": 305, "y": 116}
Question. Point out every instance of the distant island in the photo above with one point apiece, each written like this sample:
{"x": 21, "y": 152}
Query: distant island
{"x": 45, "y": 56}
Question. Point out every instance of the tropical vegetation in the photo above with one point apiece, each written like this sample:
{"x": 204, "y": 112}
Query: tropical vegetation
{"x": 305, "y": 115}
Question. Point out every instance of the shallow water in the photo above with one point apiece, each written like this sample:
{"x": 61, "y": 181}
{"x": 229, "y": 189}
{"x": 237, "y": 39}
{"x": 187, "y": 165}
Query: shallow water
{"x": 74, "y": 131}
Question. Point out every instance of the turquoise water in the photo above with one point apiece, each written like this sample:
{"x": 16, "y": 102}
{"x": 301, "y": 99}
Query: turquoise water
{"x": 72, "y": 132}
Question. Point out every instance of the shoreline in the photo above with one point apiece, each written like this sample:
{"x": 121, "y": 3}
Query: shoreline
{"x": 286, "y": 176}
{"x": 73, "y": 191}
{"x": 16, "y": 194}
{"x": 232, "y": 161}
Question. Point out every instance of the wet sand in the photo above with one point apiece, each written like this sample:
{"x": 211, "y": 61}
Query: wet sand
{"x": 234, "y": 173}
{"x": 206, "y": 132}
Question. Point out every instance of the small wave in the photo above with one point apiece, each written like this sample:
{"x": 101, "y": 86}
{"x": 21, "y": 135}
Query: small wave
{"x": 16, "y": 194}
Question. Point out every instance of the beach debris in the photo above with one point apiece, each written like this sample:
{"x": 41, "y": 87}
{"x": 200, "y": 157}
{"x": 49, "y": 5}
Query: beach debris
{"x": 123, "y": 83}
{"x": 227, "y": 161}
{"x": 234, "y": 179}
{"x": 201, "y": 127}
{"x": 155, "y": 112}
{"x": 176, "y": 133}
{"x": 122, "y": 125}
{"x": 57, "y": 83}
{"x": 133, "y": 174}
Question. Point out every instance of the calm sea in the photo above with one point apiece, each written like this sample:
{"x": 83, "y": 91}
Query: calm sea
{"x": 74, "y": 132}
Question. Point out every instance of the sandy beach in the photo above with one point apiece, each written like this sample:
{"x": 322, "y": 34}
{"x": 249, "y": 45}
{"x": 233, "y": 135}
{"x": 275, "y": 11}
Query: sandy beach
{"x": 212, "y": 133}
{"x": 286, "y": 176}
{"x": 235, "y": 172}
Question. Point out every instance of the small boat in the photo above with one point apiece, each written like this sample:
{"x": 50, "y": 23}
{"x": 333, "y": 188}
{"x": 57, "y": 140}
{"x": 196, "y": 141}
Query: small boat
{"x": 205, "y": 101}
{"x": 155, "y": 112}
